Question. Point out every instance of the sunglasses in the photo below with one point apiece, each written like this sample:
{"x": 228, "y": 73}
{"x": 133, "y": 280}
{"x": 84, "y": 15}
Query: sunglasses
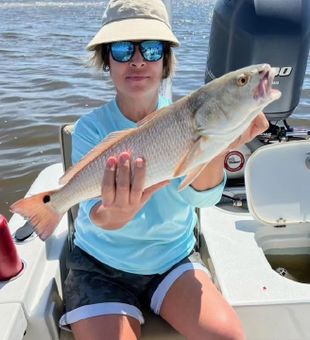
{"x": 123, "y": 51}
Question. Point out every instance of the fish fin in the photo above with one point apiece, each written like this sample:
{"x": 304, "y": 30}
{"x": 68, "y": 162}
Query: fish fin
{"x": 190, "y": 157}
{"x": 43, "y": 217}
{"x": 98, "y": 150}
{"x": 192, "y": 176}
{"x": 151, "y": 116}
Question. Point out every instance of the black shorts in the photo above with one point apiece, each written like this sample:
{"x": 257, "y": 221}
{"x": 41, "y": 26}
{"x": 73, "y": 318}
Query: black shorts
{"x": 93, "y": 288}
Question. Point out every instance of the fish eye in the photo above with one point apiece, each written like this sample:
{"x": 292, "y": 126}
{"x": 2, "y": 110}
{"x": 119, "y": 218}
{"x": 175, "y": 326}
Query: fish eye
{"x": 243, "y": 80}
{"x": 46, "y": 199}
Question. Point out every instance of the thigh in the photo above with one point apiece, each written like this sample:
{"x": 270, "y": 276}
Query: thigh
{"x": 195, "y": 308}
{"x": 94, "y": 291}
{"x": 109, "y": 327}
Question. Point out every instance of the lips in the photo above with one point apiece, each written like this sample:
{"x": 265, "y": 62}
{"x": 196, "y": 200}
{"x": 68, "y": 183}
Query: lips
{"x": 264, "y": 87}
{"x": 136, "y": 77}
{"x": 264, "y": 91}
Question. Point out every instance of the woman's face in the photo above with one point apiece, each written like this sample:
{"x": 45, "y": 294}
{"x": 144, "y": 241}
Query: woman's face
{"x": 137, "y": 77}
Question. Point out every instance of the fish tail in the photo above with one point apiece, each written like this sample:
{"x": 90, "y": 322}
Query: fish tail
{"x": 39, "y": 211}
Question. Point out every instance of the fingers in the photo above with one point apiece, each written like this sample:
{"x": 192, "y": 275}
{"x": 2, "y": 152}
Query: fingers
{"x": 261, "y": 123}
{"x": 258, "y": 126}
{"x": 108, "y": 182}
{"x": 123, "y": 178}
{"x": 116, "y": 180}
{"x": 137, "y": 181}
{"x": 118, "y": 187}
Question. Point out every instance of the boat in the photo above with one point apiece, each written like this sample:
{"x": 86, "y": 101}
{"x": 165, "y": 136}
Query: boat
{"x": 255, "y": 241}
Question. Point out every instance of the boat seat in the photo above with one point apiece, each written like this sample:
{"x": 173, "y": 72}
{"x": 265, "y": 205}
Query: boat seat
{"x": 154, "y": 327}
{"x": 66, "y": 146}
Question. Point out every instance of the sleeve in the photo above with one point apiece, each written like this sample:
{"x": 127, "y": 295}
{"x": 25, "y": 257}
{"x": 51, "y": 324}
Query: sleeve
{"x": 85, "y": 137}
{"x": 203, "y": 199}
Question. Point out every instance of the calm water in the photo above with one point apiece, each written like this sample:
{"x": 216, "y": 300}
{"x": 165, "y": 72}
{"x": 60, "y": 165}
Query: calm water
{"x": 44, "y": 81}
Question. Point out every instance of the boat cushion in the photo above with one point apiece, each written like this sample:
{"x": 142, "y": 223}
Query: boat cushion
{"x": 277, "y": 180}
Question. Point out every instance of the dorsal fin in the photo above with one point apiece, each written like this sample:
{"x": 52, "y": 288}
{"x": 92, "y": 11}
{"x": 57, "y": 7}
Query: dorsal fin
{"x": 108, "y": 142}
{"x": 151, "y": 116}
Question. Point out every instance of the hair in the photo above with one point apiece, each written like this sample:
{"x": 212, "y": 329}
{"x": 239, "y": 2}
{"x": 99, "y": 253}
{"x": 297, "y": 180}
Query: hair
{"x": 100, "y": 59}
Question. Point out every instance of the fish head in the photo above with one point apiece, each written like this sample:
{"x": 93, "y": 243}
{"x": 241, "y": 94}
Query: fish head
{"x": 235, "y": 99}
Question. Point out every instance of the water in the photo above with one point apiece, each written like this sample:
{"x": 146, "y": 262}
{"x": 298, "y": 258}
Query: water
{"x": 294, "y": 267}
{"x": 44, "y": 81}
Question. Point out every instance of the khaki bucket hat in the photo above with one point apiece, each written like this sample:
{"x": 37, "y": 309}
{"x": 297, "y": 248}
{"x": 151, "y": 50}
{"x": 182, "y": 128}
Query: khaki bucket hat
{"x": 134, "y": 20}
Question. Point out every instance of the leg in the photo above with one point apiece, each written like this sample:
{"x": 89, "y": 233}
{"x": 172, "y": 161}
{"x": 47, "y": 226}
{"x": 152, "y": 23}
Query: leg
{"x": 108, "y": 327}
{"x": 196, "y": 309}
{"x": 101, "y": 301}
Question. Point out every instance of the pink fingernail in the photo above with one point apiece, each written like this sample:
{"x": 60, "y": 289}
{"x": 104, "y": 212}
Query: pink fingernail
{"x": 111, "y": 164}
{"x": 139, "y": 163}
{"x": 124, "y": 160}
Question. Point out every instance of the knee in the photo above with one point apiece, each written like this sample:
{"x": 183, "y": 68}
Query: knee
{"x": 225, "y": 326}
{"x": 228, "y": 327}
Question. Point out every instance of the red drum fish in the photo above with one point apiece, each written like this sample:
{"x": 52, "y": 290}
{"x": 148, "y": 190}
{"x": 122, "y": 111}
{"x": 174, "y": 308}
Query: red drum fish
{"x": 178, "y": 140}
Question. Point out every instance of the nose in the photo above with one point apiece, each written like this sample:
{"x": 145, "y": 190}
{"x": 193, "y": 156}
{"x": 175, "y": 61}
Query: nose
{"x": 137, "y": 60}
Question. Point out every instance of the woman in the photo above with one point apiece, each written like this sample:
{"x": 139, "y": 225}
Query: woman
{"x": 138, "y": 245}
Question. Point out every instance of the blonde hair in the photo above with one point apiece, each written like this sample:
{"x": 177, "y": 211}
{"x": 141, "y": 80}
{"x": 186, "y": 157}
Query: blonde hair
{"x": 100, "y": 59}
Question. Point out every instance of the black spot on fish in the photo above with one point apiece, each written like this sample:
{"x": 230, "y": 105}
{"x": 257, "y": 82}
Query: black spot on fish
{"x": 46, "y": 198}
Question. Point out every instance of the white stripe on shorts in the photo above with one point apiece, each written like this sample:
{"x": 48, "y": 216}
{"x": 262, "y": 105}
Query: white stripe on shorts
{"x": 97, "y": 309}
{"x": 167, "y": 282}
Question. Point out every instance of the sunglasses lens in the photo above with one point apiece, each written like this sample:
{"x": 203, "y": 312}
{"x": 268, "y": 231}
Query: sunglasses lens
{"x": 152, "y": 50}
{"x": 122, "y": 51}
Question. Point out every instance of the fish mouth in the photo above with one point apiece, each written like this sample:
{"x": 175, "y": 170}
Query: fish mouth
{"x": 264, "y": 90}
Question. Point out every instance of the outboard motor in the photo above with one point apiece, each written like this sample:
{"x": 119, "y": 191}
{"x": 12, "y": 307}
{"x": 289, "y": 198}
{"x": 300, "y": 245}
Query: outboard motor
{"x": 277, "y": 32}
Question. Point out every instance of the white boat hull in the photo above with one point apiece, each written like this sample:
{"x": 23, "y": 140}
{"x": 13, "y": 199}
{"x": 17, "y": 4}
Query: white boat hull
{"x": 270, "y": 306}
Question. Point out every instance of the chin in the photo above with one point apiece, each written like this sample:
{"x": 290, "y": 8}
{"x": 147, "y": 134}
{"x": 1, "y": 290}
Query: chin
{"x": 141, "y": 91}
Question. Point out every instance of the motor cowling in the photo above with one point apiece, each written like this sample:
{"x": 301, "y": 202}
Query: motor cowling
{"x": 277, "y": 32}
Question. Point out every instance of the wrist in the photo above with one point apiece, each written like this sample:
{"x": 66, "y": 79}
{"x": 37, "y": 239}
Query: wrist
{"x": 96, "y": 215}
{"x": 103, "y": 218}
{"x": 212, "y": 175}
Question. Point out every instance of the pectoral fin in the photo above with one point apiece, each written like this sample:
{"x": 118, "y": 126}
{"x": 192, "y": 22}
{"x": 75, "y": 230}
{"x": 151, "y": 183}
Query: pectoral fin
{"x": 191, "y": 158}
{"x": 192, "y": 176}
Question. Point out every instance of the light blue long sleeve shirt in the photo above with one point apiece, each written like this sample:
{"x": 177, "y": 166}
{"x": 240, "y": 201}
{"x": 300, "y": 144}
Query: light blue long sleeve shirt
{"x": 161, "y": 233}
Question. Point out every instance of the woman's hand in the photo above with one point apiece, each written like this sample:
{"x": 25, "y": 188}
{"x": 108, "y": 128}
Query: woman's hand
{"x": 213, "y": 173}
{"x": 122, "y": 192}
{"x": 258, "y": 126}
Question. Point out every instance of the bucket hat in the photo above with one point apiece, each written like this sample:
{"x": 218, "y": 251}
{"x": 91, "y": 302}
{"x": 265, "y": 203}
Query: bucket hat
{"x": 134, "y": 20}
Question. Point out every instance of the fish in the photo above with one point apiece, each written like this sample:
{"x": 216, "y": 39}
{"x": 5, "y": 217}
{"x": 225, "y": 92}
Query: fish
{"x": 176, "y": 141}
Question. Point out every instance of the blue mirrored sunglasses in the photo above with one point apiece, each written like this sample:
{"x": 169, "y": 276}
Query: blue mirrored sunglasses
{"x": 123, "y": 51}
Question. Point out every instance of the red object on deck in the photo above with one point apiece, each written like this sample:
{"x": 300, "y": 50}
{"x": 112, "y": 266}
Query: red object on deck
{"x": 10, "y": 262}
